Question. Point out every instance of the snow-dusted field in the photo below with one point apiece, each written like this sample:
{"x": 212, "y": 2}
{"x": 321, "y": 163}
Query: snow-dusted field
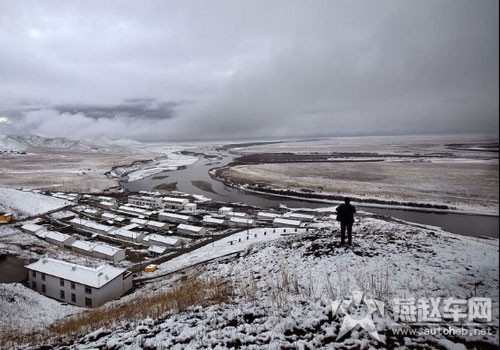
{"x": 283, "y": 291}
{"x": 25, "y": 204}
{"x": 459, "y": 171}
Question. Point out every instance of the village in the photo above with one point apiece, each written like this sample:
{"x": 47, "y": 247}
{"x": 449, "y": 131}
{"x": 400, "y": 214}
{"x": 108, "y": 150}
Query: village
{"x": 129, "y": 236}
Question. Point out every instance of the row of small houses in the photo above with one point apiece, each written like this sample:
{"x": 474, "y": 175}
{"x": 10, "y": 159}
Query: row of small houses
{"x": 158, "y": 244}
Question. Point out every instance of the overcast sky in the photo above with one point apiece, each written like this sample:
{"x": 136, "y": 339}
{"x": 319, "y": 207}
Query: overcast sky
{"x": 172, "y": 70}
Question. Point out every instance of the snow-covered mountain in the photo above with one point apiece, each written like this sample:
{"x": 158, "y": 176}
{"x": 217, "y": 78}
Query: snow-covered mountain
{"x": 19, "y": 143}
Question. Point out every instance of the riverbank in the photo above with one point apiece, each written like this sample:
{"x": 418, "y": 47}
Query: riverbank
{"x": 172, "y": 159}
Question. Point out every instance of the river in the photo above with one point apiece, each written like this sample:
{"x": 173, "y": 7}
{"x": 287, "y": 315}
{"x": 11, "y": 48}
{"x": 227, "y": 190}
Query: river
{"x": 196, "y": 180}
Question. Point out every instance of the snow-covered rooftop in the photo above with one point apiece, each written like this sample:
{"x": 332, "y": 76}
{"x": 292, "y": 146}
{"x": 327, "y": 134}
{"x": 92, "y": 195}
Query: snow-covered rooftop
{"x": 106, "y": 249}
{"x": 157, "y": 249}
{"x": 190, "y": 228}
{"x": 57, "y": 236}
{"x": 91, "y": 224}
{"x": 93, "y": 277}
{"x": 175, "y": 200}
{"x": 155, "y": 238}
{"x": 239, "y": 220}
{"x": 212, "y": 220}
{"x": 174, "y": 216}
{"x": 31, "y": 227}
{"x": 281, "y": 221}
{"x": 138, "y": 221}
{"x": 133, "y": 235}
{"x": 83, "y": 245}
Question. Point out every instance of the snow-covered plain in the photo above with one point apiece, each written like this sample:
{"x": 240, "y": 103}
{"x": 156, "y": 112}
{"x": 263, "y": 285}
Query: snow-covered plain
{"x": 25, "y": 204}
{"x": 284, "y": 289}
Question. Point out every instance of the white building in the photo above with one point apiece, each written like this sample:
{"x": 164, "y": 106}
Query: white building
{"x": 127, "y": 235}
{"x": 159, "y": 240}
{"x": 83, "y": 247}
{"x": 101, "y": 251}
{"x": 78, "y": 285}
{"x": 280, "y": 222}
{"x": 190, "y": 208}
{"x": 140, "y": 222}
{"x": 59, "y": 239}
{"x": 157, "y": 225}
{"x": 211, "y": 221}
{"x": 171, "y": 217}
{"x": 92, "y": 212}
{"x": 91, "y": 226}
{"x": 241, "y": 222}
{"x": 144, "y": 201}
{"x": 174, "y": 203}
{"x": 297, "y": 216}
{"x": 104, "y": 251}
{"x": 112, "y": 217}
{"x": 226, "y": 211}
{"x": 156, "y": 250}
{"x": 32, "y": 228}
{"x": 190, "y": 229}
{"x": 267, "y": 216}
{"x": 134, "y": 211}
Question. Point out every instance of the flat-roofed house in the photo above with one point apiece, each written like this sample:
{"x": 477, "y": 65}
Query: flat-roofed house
{"x": 156, "y": 250}
{"x": 156, "y": 239}
{"x": 32, "y": 228}
{"x": 76, "y": 284}
{"x": 171, "y": 217}
{"x": 91, "y": 226}
{"x": 140, "y": 222}
{"x": 134, "y": 211}
{"x": 59, "y": 239}
{"x": 145, "y": 201}
{"x": 211, "y": 221}
{"x": 298, "y": 216}
{"x": 101, "y": 251}
{"x": 241, "y": 222}
{"x": 190, "y": 208}
{"x": 267, "y": 216}
{"x": 226, "y": 211}
{"x": 174, "y": 203}
{"x": 108, "y": 252}
{"x": 157, "y": 225}
{"x": 280, "y": 222}
{"x": 190, "y": 229}
{"x": 83, "y": 247}
{"x": 127, "y": 235}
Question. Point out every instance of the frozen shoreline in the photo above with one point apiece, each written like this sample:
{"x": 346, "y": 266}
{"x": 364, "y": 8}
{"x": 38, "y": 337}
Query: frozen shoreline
{"x": 171, "y": 160}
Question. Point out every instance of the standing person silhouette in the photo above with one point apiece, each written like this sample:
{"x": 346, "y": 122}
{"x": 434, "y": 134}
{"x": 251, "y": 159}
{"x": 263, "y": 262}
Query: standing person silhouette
{"x": 345, "y": 214}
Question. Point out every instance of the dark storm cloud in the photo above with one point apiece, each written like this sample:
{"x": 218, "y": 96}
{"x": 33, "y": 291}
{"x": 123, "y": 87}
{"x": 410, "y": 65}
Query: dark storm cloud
{"x": 249, "y": 69}
{"x": 132, "y": 108}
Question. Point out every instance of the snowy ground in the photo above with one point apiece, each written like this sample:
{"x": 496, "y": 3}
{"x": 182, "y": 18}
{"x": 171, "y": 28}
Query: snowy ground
{"x": 25, "y": 204}
{"x": 284, "y": 289}
{"x": 459, "y": 171}
{"x": 235, "y": 243}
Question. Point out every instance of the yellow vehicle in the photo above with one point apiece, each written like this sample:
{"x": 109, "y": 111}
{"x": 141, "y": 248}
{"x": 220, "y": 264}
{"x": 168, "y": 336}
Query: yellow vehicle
{"x": 151, "y": 268}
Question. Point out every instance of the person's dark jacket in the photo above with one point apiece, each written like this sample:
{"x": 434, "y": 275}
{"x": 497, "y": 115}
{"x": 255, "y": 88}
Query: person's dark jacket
{"x": 345, "y": 213}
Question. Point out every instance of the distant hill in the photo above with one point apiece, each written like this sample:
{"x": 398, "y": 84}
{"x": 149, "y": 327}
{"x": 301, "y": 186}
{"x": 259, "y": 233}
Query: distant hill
{"x": 19, "y": 143}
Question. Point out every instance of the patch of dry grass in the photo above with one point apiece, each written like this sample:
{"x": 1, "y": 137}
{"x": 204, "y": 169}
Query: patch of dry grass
{"x": 186, "y": 293}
